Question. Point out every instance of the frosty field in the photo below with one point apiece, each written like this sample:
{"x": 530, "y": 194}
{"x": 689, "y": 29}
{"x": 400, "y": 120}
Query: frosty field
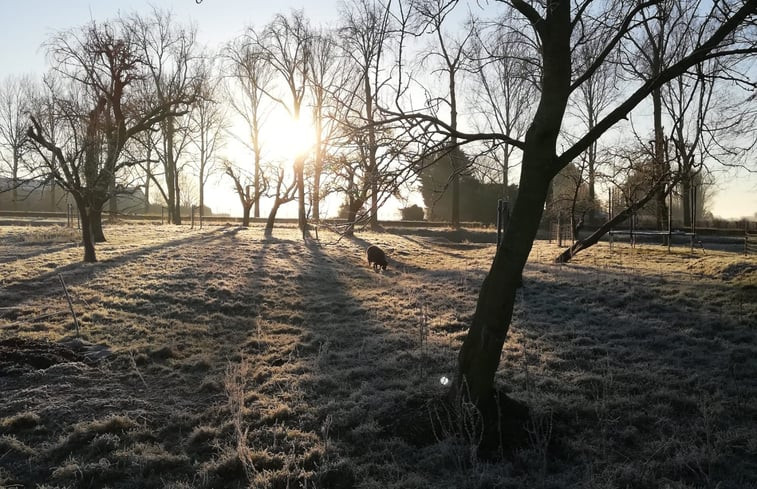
{"x": 220, "y": 358}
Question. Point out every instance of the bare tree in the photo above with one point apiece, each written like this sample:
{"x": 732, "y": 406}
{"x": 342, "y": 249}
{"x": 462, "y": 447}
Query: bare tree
{"x": 634, "y": 182}
{"x": 170, "y": 53}
{"x": 707, "y": 129}
{"x": 15, "y": 97}
{"x": 558, "y": 27}
{"x": 364, "y": 30}
{"x": 504, "y": 102}
{"x": 242, "y": 185}
{"x": 285, "y": 45}
{"x": 249, "y": 79}
{"x": 656, "y": 45}
{"x": 593, "y": 99}
{"x": 98, "y": 109}
{"x": 283, "y": 193}
{"x": 208, "y": 127}
{"x": 452, "y": 59}
{"x": 324, "y": 74}
{"x": 712, "y": 124}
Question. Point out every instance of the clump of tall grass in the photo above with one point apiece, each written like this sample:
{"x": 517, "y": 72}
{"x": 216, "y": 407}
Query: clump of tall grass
{"x": 49, "y": 234}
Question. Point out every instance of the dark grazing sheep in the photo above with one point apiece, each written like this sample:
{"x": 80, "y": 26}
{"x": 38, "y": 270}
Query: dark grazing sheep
{"x": 376, "y": 257}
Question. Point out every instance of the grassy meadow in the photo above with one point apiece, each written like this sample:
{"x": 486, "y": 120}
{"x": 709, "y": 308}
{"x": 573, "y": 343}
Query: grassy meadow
{"x": 222, "y": 358}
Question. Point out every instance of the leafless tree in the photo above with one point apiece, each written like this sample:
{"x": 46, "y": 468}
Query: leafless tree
{"x": 242, "y": 184}
{"x": 559, "y": 28}
{"x": 15, "y": 98}
{"x": 325, "y": 65}
{"x": 364, "y": 30}
{"x": 98, "y": 108}
{"x": 208, "y": 128}
{"x": 450, "y": 54}
{"x": 285, "y": 45}
{"x": 594, "y": 97}
{"x": 655, "y": 47}
{"x": 284, "y": 190}
{"x": 250, "y": 76}
{"x": 171, "y": 53}
{"x": 712, "y": 124}
{"x": 505, "y": 93}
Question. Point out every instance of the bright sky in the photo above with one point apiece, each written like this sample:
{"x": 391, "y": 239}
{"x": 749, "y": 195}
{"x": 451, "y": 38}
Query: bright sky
{"x": 28, "y": 23}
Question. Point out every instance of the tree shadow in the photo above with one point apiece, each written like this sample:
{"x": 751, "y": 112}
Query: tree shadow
{"x": 77, "y": 273}
{"x": 35, "y": 250}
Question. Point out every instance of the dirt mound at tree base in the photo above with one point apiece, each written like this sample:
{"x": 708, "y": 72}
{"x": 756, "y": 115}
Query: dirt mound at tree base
{"x": 19, "y": 355}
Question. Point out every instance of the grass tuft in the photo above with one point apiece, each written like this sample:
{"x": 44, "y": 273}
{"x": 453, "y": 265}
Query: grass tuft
{"x": 20, "y": 421}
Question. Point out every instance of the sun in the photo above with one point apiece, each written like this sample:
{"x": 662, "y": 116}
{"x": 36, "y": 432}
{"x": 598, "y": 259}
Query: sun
{"x": 288, "y": 138}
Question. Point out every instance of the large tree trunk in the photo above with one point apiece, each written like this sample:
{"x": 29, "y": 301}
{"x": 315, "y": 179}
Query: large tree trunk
{"x": 317, "y": 167}
{"x": 660, "y": 162}
{"x": 302, "y": 220}
{"x": 256, "y": 184}
{"x": 146, "y": 208}
{"x": 202, "y": 201}
{"x": 172, "y": 174}
{"x": 374, "y": 201}
{"x": 272, "y": 215}
{"x": 171, "y": 190}
{"x": 246, "y": 214}
{"x": 480, "y": 353}
{"x": 317, "y": 191}
{"x": 353, "y": 207}
{"x": 177, "y": 195}
{"x": 481, "y": 350}
{"x": 96, "y": 224}
{"x": 86, "y": 232}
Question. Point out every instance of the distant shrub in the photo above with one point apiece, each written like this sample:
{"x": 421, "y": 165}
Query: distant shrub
{"x": 412, "y": 213}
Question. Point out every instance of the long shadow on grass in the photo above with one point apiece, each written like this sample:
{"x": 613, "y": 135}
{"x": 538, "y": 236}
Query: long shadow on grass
{"x": 171, "y": 378}
{"x": 326, "y": 367}
{"x": 30, "y": 250}
{"x": 47, "y": 284}
{"x": 639, "y": 372}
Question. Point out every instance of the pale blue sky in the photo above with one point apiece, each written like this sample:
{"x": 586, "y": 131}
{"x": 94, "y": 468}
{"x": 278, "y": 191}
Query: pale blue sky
{"x": 28, "y": 23}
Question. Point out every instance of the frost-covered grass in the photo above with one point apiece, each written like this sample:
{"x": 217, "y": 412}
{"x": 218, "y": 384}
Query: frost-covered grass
{"x": 237, "y": 360}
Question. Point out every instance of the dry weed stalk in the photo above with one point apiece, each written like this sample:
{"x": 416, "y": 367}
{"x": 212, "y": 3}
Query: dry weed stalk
{"x": 463, "y": 427}
{"x": 539, "y": 431}
{"x": 136, "y": 369}
{"x": 423, "y": 335}
{"x": 234, "y": 384}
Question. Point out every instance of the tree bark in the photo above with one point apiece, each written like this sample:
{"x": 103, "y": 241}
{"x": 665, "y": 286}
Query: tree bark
{"x": 660, "y": 162}
{"x": 480, "y": 353}
{"x": 302, "y": 220}
{"x": 86, "y": 232}
{"x": 272, "y": 215}
{"x": 686, "y": 198}
{"x": 177, "y": 196}
{"x": 256, "y": 183}
{"x": 246, "y": 215}
{"x": 481, "y": 350}
{"x": 96, "y": 225}
{"x": 353, "y": 207}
